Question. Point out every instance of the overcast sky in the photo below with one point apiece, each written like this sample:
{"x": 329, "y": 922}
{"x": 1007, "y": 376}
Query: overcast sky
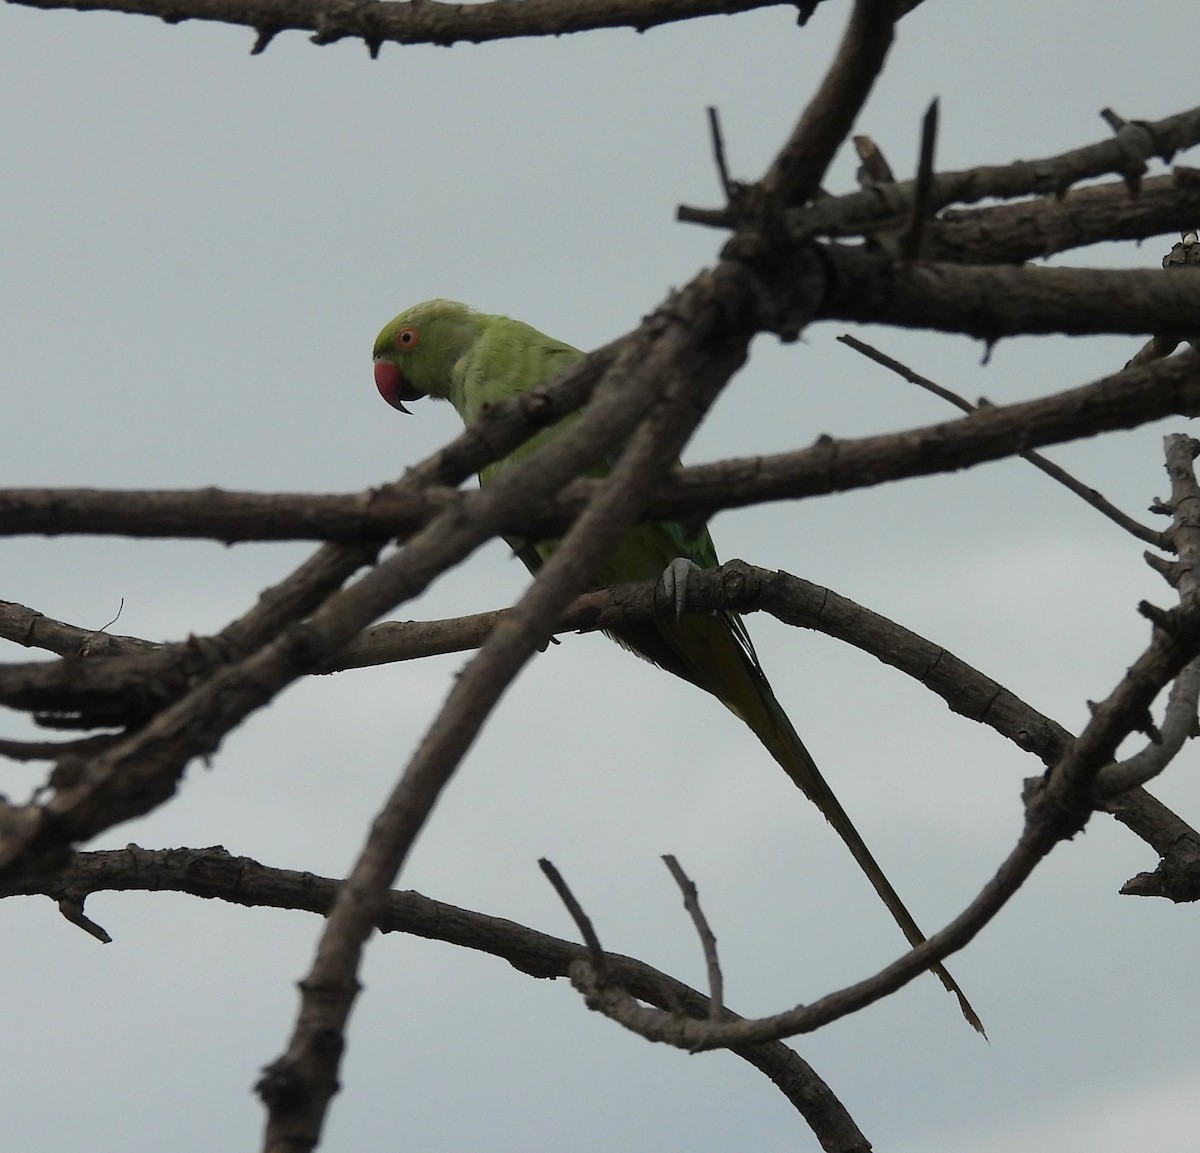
{"x": 197, "y": 248}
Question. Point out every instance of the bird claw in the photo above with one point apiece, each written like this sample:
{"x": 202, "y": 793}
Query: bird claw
{"x": 674, "y": 582}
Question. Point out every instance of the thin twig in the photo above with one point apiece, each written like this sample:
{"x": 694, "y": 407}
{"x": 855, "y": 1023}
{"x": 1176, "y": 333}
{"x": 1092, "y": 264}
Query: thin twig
{"x": 728, "y": 187}
{"x": 120, "y": 609}
{"x": 54, "y": 750}
{"x": 72, "y": 909}
{"x": 910, "y": 240}
{"x": 1052, "y": 470}
{"x": 708, "y": 941}
{"x": 582, "y": 921}
{"x": 875, "y": 169}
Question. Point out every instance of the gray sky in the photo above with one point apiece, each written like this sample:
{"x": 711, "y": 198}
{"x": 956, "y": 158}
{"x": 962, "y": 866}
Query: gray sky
{"x": 209, "y": 242}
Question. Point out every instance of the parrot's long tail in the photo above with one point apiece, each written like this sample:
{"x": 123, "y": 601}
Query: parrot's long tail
{"x": 772, "y": 726}
{"x": 714, "y": 652}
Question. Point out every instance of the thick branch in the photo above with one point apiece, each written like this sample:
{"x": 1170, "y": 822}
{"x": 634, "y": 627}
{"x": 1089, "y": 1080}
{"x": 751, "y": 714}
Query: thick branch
{"x": 424, "y": 22}
{"x": 1035, "y": 229}
{"x": 990, "y": 303}
{"x": 25, "y": 626}
{"x": 797, "y": 171}
{"x": 1124, "y": 400}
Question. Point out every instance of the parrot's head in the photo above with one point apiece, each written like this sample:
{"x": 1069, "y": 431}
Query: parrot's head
{"x": 416, "y": 351}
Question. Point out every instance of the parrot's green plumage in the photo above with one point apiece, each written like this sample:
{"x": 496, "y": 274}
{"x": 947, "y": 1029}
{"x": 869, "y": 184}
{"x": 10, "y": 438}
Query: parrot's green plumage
{"x": 444, "y": 349}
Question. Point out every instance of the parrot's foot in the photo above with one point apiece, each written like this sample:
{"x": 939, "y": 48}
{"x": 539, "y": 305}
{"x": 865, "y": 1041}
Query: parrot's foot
{"x": 674, "y": 582}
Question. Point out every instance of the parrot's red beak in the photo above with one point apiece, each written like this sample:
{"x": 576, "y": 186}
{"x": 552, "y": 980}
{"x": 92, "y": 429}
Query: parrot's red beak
{"x": 392, "y": 386}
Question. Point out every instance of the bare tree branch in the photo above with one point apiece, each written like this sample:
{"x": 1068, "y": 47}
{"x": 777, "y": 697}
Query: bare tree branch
{"x": 913, "y": 237}
{"x": 1085, "y": 492}
{"x": 1179, "y": 723}
{"x": 708, "y": 940}
{"x": 1096, "y": 214}
{"x": 426, "y": 22}
{"x": 55, "y": 750}
{"x": 214, "y": 873}
{"x": 596, "y": 954}
{"x": 742, "y": 588}
{"x": 1184, "y": 254}
{"x": 1124, "y": 400}
{"x": 1124, "y": 154}
{"x": 129, "y": 690}
{"x": 28, "y": 627}
{"x": 990, "y": 303}
{"x": 1177, "y": 875}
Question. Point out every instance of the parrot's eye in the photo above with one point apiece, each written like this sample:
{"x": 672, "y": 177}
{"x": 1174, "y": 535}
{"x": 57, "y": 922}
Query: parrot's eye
{"x": 405, "y": 337}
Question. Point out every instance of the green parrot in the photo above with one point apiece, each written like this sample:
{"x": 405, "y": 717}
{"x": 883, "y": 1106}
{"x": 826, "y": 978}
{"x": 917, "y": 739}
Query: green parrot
{"x": 444, "y": 349}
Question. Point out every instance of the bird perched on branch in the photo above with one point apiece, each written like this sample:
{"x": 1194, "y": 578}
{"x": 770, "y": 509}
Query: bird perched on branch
{"x": 446, "y": 350}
